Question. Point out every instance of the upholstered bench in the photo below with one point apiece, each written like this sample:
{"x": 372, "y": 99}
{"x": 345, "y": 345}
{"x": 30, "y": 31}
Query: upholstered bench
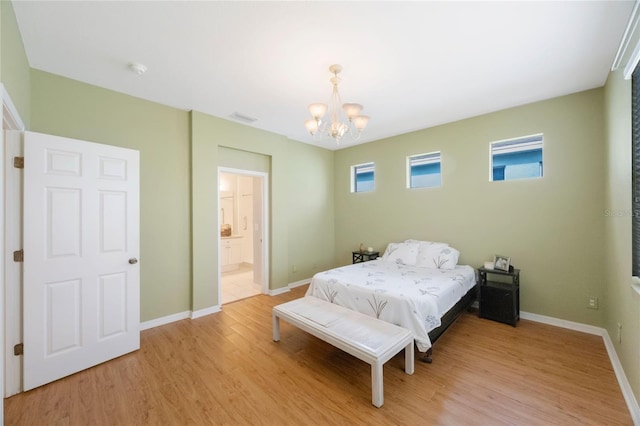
{"x": 369, "y": 339}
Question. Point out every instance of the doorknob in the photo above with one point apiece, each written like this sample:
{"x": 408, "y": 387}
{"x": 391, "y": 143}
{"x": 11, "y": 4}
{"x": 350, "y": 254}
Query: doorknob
{"x": 133, "y": 261}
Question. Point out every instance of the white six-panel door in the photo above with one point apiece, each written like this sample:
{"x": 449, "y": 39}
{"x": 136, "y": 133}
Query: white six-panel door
{"x": 81, "y": 244}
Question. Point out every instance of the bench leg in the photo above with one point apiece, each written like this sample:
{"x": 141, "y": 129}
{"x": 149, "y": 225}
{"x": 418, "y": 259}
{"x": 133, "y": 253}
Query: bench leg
{"x": 276, "y": 327}
{"x": 377, "y": 391}
{"x": 409, "y": 358}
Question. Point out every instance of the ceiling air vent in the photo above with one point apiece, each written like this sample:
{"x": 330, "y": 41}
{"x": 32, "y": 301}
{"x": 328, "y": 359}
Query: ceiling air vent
{"x": 241, "y": 117}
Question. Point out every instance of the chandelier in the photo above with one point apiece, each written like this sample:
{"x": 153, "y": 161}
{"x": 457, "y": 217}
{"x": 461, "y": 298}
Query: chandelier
{"x": 338, "y": 126}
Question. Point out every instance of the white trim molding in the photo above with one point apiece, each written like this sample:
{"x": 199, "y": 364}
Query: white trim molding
{"x": 157, "y": 322}
{"x": 10, "y": 368}
{"x": 635, "y": 284}
{"x": 264, "y": 231}
{"x": 207, "y": 311}
{"x": 10, "y": 114}
{"x": 625, "y": 387}
{"x": 589, "y": 329}
{"x": 299, "y": 283}
{"x": 629, "y": 34}
{"x": 278, "y": 291}
{"x": 629, "y": 31}
{"x": 633, "y": 61}
{"x": 288, "y": 287}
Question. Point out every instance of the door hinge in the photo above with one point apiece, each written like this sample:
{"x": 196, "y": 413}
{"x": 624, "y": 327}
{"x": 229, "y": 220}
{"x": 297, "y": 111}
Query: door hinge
{"x": 18, "y": 256}
{"x": 18, "y": 349}
{"x": 18, "y": 162}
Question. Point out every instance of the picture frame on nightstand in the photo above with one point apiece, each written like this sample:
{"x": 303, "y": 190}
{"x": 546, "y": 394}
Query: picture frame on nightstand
{"x": 501, "y": 263}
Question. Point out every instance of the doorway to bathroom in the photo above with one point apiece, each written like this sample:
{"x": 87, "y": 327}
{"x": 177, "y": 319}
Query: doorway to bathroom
{"x": 242, "y": 219}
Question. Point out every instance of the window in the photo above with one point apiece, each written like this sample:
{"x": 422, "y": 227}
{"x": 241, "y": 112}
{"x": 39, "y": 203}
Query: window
{"x": 517, "y": 158}
{"x": 423, "y": 170}
{"x": 362, "y": 177}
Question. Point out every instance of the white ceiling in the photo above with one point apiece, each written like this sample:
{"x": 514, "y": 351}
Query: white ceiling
{"x": 412, "y": 65}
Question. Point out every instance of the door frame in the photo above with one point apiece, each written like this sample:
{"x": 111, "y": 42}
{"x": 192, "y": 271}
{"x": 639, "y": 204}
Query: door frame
{"x": 10, "y": 121}
{"x": 264, "y": 234}
{"x": 13, "y": 184}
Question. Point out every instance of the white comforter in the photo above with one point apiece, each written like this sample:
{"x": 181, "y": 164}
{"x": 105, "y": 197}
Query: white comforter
{"x": 409, "y": 296}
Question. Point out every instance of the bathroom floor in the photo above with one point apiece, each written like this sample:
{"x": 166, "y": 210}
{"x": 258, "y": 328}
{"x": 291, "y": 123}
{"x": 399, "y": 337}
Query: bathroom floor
{"x": 239, "y": 284}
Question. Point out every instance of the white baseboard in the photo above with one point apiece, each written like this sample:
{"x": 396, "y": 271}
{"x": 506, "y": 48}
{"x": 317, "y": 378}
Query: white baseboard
{"x": 585, "y": 328}
{"x": 625, "y": 387}
{"x": 289, "y": 286}
{"x": 164, "y": 320}
{"x": 278, "y": 291}
{"x": 211, "y": 310}
{"x": 299, "y": 283}
{"x": 177, "y": 317}
{"x": 204, "y": 312}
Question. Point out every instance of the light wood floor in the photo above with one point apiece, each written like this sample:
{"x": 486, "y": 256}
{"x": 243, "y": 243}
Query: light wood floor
{"x": 225, "y": 369}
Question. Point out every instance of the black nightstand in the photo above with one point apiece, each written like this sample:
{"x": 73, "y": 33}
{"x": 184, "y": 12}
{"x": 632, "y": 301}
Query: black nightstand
{"x": 364, "y": 256}
{"x": 499, "y": 300}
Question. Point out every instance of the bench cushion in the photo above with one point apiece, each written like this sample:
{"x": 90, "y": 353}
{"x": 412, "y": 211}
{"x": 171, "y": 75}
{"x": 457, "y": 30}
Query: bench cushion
{"x": 370, "y": 335}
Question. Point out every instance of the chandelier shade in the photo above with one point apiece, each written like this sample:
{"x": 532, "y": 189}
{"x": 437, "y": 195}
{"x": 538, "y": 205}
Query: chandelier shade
{"x": 317, "y": 110}
{"x": 352, "y": 110}
{"x": 361, "y": 122}
{"x": 343, "y": 118}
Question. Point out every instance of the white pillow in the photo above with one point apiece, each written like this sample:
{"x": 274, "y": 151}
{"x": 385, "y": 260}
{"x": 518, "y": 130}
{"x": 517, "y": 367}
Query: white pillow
{"x": 425, "y": 242}
{"x": 401, "y": 253}
{"x": 437, "y": 255}
{"x": 389, "y": 249}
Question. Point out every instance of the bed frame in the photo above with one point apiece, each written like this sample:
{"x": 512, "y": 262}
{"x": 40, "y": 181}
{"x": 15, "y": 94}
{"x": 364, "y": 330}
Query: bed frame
{"x": 449, "y": 318}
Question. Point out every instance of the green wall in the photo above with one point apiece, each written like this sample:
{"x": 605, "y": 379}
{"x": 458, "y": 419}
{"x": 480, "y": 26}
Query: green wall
{"x": 14, "y": 67}
{"x": 310, "y": 210}
{"x": 622, "y": 304}
{"x": 244, "y": 160}
{"x": 309, "y": 207}
{"x": 208, "y": 134}
{"x": 64, "y": 107}
{"x": 179, "y": 154}
{"x": 552, "y": 227}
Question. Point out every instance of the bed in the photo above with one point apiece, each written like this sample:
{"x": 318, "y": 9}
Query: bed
{"x": 417, "y": 285}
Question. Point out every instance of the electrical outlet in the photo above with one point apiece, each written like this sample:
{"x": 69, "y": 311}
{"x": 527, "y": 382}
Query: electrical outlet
{"x": 592, "y": 302}
{"x": 294, "y": 268}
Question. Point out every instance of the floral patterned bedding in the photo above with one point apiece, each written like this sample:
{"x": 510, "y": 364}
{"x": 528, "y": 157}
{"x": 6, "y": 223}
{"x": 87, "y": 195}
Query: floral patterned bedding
{"x": 412, "y": 297}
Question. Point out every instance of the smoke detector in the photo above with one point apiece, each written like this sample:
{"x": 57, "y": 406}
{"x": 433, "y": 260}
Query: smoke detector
{"x": 137, "y": 68}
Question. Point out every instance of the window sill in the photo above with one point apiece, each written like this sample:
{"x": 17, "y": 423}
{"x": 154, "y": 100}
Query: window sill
{"x": 635, "y": 284}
